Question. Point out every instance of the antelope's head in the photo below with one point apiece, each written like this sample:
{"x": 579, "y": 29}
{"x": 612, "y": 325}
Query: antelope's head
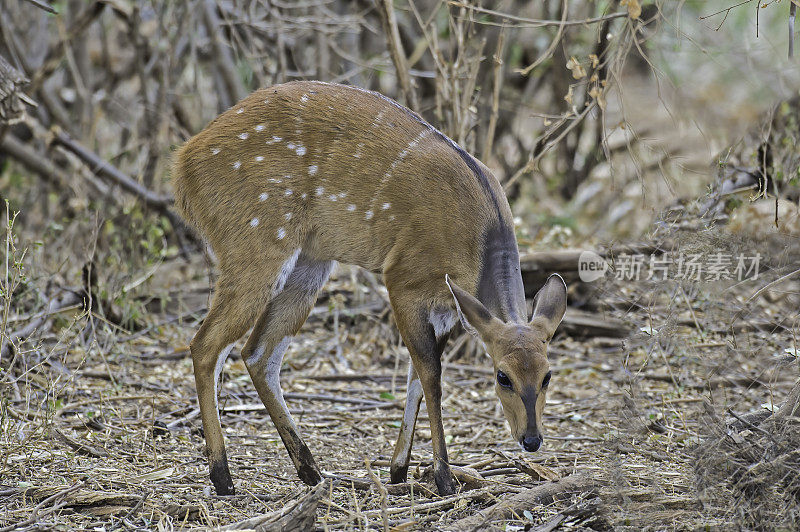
{"x": 519, "y": 354}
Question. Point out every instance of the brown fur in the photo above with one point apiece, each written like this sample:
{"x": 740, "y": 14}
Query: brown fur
{"x": 344, "y": 175}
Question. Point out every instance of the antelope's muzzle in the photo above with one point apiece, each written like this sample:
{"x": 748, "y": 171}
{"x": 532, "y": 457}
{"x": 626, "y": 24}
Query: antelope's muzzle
{"x": 531, "y": 443}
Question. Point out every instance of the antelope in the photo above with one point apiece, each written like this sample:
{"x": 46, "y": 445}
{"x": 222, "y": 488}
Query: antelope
{"x": 297, "y": 177}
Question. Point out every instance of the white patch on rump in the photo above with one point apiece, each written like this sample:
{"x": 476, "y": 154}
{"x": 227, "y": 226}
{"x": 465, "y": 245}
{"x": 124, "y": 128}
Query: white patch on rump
{"x": 254, "y": 222}
{"x": 286, "y": 270}
{"x": 442, "y": 320}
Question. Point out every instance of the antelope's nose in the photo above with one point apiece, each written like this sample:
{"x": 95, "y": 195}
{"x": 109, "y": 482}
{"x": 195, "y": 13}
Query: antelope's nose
{"x": 532, "y": 443}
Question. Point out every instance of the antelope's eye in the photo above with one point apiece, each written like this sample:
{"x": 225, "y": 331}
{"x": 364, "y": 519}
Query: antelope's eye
{"x": 503, "y": 380}
{"x": 546, "y": 379}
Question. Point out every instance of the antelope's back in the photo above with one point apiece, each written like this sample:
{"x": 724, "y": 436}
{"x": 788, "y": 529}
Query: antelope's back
{"x": 344, "y": 173}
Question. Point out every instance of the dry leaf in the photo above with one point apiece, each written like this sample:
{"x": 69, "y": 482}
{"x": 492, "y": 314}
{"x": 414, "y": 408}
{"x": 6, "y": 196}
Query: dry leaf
{"x": 578, "y": 71}
{"x": 159, "y": 474}
{"x": 568, "y": 97}
{"x": 634, "y": 9}
{"x": 596, "y": 93}
{"x": 536, "y": 471}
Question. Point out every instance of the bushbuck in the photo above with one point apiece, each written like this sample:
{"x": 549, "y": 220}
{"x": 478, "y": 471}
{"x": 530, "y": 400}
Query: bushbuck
{"x": 297, "y": 177}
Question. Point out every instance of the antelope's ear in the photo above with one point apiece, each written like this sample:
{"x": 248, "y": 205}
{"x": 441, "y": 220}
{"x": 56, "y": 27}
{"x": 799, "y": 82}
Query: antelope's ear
{"x": 475, "y": 317}
{"x": 550, "y": 304}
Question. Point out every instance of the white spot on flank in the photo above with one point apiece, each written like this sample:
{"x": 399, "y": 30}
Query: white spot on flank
{"x": 287, "y": 176}
{"x": 304, "y": 98}
{"x": 259, "y": 127}
{"x": 281, "y": 233}
{"x": 288, "y": 216}
{"x": 214, "y": 151}
{"x": 240, "y": 110}
{"x": 301, "y": 150}
{"x": 291, "y": 146}
{"x": 275, "y": 139}
{"x": 237, "y": 164}
{"x": 243, "y": 136}
{"x": 304, "y": 195}
{"x": 342, "y": 194}
{"x": 320, "y": 191}
{"x": 378, "y": 118}
{"x": 386, "y": 206}
{"x": 254, "y": 222}
{"x": 391, "y": 218}
{"x": 333, "y": 197}
{"x": 288, "y": 192}
{"x": 312, "y": 169}
{"x": 274, "y": 180}
{"x": 351, "y": 207}
{"x": 368, "y": 215}
{"x": 263, "y": 196}
{"x": 259, "y": 158}
{"x": 357, "y": 153}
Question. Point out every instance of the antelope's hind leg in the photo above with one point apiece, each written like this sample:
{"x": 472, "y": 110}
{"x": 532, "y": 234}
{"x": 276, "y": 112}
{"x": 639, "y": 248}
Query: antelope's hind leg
{"x": 402, "y": 450}
{"x": 263, "y": 354}
{"x": 231, "y": 314}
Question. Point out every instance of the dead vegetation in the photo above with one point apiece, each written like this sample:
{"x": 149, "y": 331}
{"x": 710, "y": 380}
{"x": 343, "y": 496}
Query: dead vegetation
{"x": 659, "y": 415}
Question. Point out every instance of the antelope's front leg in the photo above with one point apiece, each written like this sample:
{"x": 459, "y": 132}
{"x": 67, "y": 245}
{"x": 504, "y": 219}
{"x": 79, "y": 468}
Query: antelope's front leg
{"x": 426, "y": 355}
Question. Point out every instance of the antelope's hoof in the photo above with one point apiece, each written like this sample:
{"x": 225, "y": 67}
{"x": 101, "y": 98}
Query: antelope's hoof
{"x": 309, "y": 475}
{"x": 225, "y": 489}
{"x": 444, "y": 481}
{"x": 398, "y": 475}
{"x": 221, "y": 477}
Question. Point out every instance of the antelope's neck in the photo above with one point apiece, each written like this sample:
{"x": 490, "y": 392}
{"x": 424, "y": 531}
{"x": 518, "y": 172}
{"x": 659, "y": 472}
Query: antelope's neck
{"x": 500, "y": 286}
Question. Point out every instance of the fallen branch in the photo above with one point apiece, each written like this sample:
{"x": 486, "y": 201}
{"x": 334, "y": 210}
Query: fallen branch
{"x": 297, "y": 515}
{"x": 542, "y": 494}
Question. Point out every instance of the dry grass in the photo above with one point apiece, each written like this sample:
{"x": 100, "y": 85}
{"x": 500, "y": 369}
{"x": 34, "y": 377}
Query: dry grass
{"x": 104, "y": 429}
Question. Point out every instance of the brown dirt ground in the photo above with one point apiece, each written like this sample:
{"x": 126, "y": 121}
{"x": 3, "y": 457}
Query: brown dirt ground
{"x": 627, "y": 412}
